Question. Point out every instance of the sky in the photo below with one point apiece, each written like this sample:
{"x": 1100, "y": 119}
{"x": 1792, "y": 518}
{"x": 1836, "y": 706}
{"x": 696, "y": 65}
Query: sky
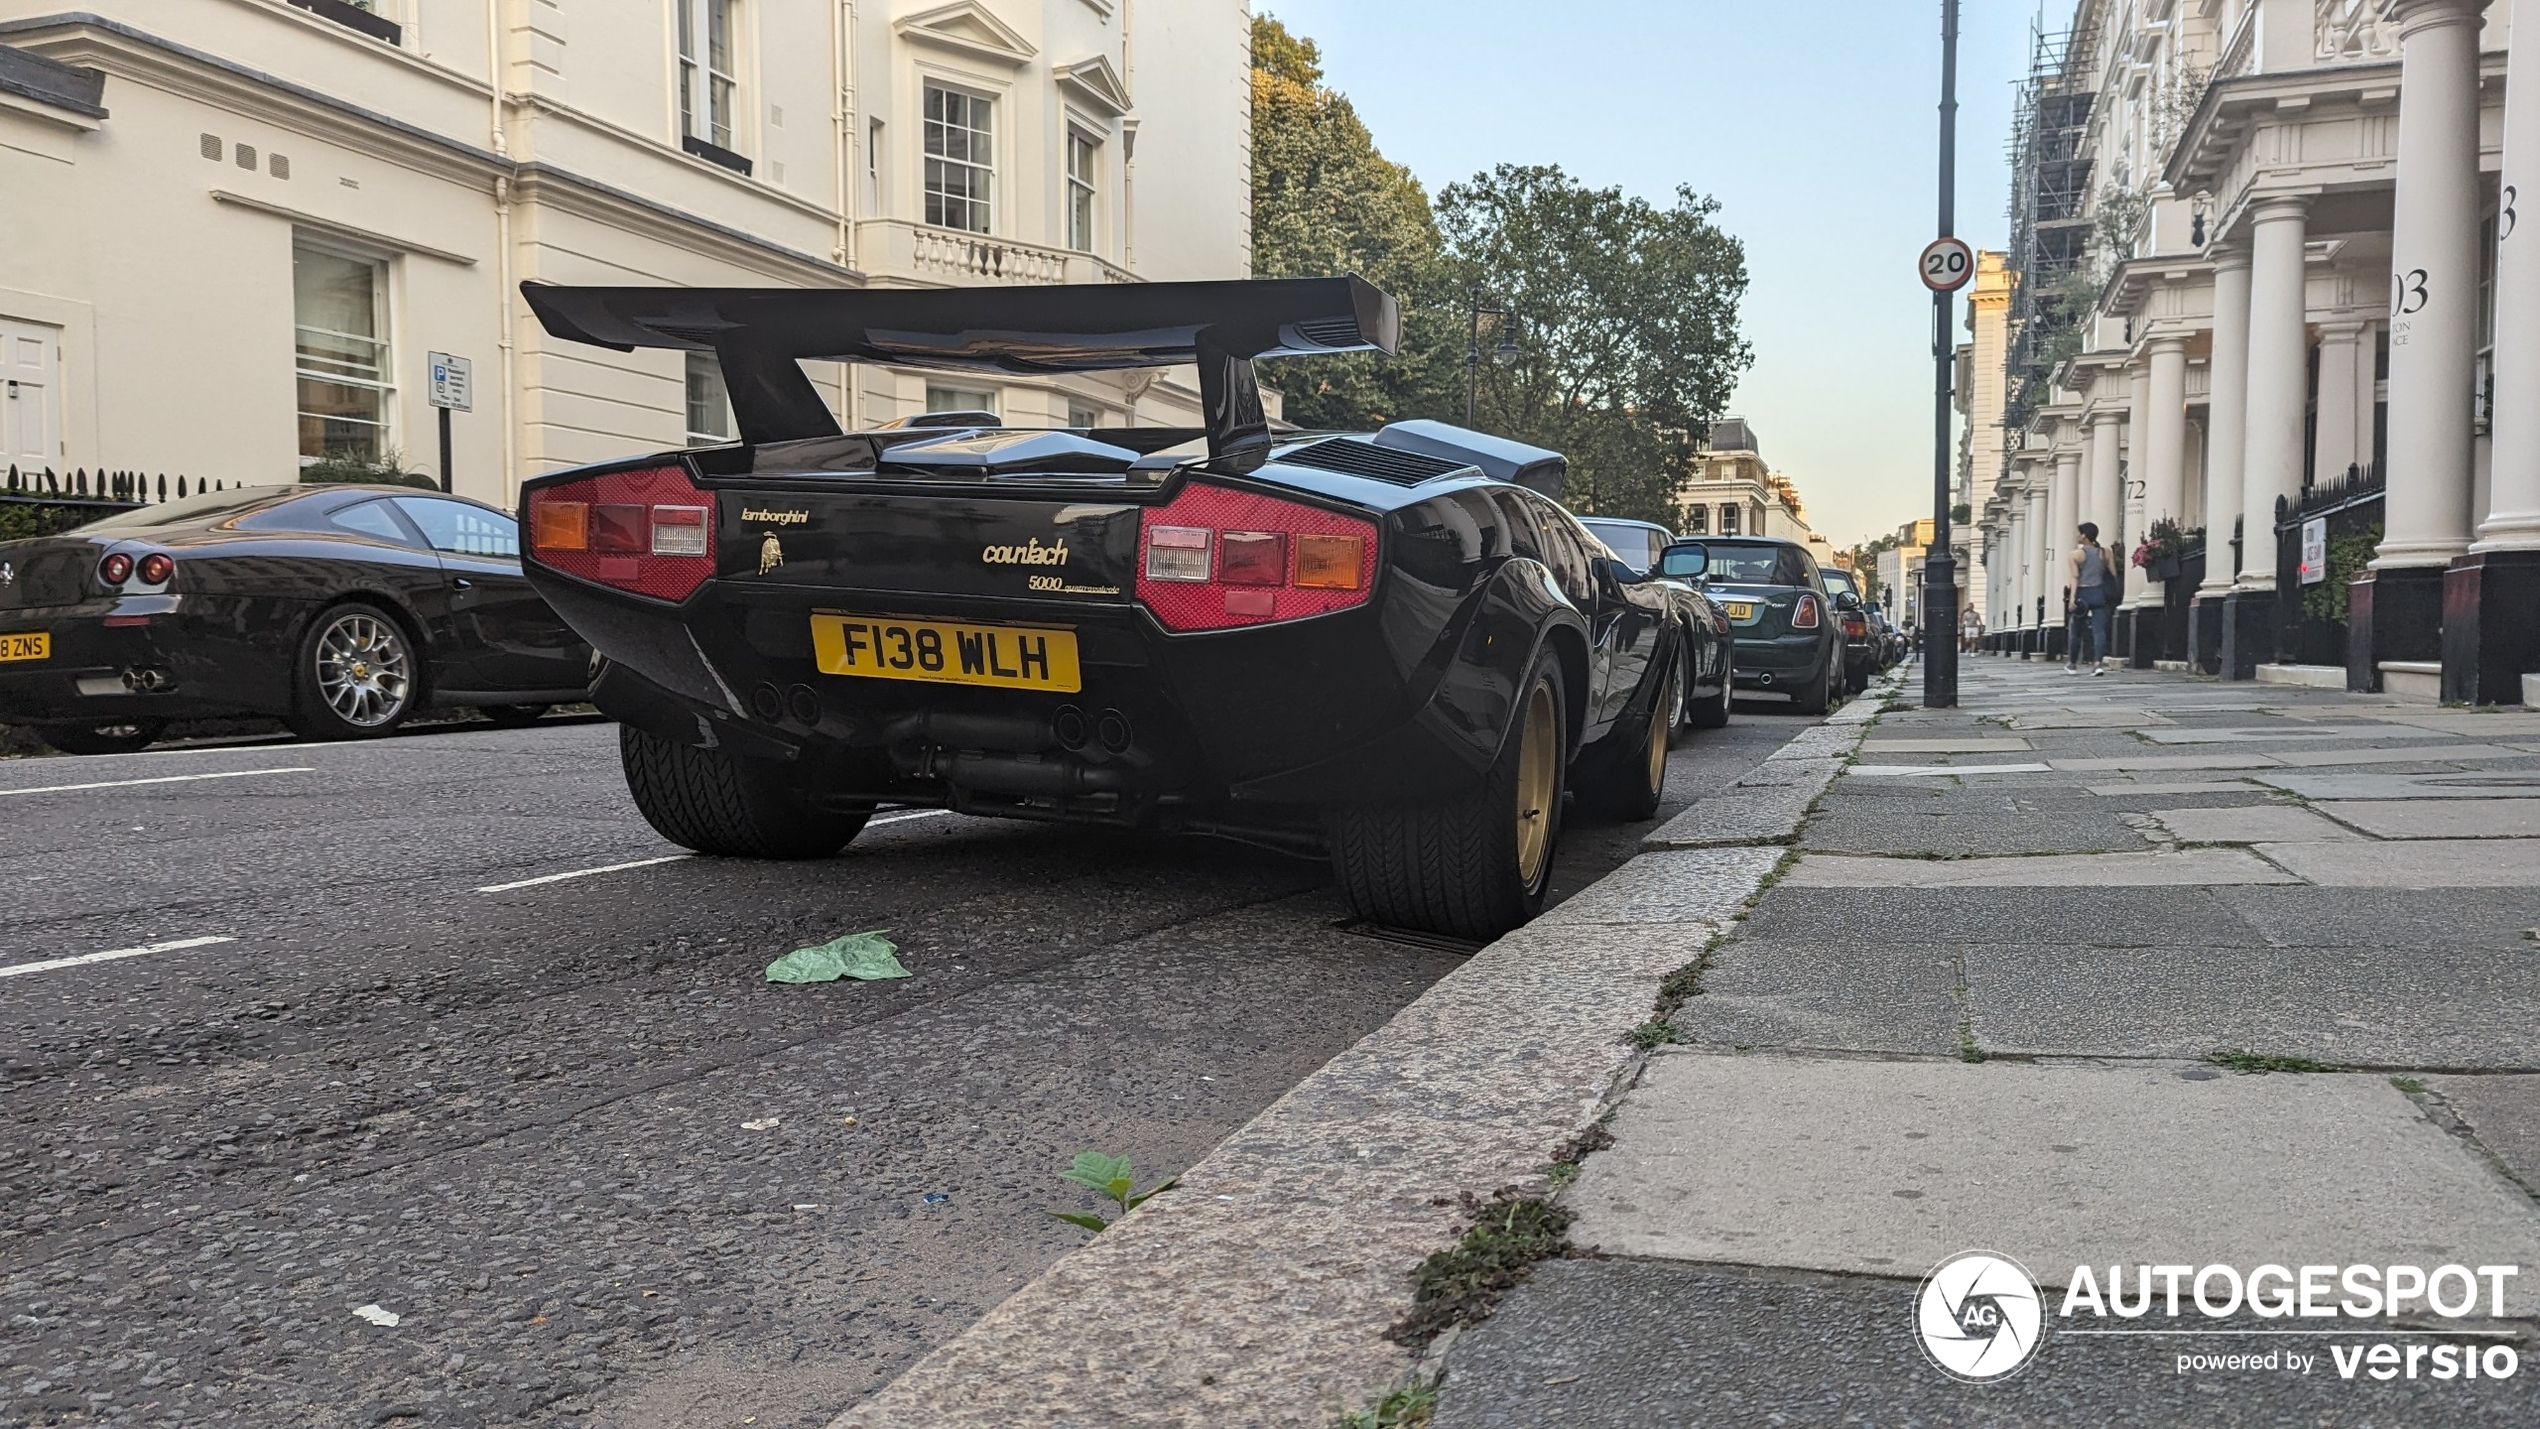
{"x": 1815, "y": 125}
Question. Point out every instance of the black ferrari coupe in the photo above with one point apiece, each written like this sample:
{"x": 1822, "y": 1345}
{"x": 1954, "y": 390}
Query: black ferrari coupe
{"x": 339, "y": 609}
{"x": 1395, "y": 646}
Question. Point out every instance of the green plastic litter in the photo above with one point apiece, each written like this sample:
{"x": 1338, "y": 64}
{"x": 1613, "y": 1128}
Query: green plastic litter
{"x": 863, "y": 956}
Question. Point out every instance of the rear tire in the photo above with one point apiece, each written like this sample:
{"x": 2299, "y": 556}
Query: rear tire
{"x": 716, "y": 803}
{"x": 105, "y": 737}
{"x": 514, "y": 716}
{"x": 1475, "y": 866}
{"x": 358, "y": 676}
{"x": 1713, "y": 713}
{"x": 1815, "y": 696}
{"x": 1629, "y": 790}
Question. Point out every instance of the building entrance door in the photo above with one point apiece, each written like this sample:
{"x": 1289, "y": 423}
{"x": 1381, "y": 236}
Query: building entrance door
{"x": 30, "y": 425}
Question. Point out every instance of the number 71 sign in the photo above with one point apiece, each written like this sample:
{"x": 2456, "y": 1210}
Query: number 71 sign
{"x": 1947, "y": 264}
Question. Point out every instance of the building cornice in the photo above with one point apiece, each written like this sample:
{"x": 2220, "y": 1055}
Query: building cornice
{"x": 585, "y": 197}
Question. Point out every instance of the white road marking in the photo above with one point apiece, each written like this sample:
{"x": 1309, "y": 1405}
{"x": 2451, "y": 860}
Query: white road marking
{"x": 673, "y": 857}
{"x": 110, "y": 955}
{"x": 1928, "y": 771}
{"x": 161, "y": 779}
{"x": 584, "y": 873}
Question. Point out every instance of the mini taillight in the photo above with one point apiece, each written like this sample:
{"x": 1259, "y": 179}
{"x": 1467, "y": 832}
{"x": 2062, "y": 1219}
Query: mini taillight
{"x": 1253, "y": 558}
{"x": 649, "y": 531}
{"x": 1805, "y": 616}
{"x": 115, "y": 569}
{"x": 1274, "y": 559}
{"x": 156, "y": 567}
{"x": 1178, "y": 553}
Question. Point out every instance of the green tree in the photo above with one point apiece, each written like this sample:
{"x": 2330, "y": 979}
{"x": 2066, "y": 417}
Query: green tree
{"x": 1325, "y": 201}
{"x": 1627, "y": 325}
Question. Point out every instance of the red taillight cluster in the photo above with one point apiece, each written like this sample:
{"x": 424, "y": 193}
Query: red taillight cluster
{"x": 1214, "y": 558}
{"x": 154, "y": 568}
{"x": 1805, "y": 616}
{"x": 649, "y": 531}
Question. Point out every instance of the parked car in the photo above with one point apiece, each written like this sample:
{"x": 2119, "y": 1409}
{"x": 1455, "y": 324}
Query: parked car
{"x": 1394, "y": 647}
{"x": 1852, "y": 617}
{"x": 1884, "y": 637}
{"x": 339, "y": 609}
{"x": 1782, "y": 619}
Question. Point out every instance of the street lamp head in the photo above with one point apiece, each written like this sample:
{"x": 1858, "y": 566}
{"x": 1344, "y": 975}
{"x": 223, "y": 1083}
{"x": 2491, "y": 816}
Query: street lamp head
{"x": 1507, "y": 353}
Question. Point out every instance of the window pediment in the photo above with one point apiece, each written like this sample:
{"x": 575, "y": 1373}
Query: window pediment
{"x": 1097, "y": 84}
{"x": 969, "y": 28}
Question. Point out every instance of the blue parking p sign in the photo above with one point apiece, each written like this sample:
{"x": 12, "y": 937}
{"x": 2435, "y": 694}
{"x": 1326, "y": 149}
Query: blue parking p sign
{"x": 450, "y": 382}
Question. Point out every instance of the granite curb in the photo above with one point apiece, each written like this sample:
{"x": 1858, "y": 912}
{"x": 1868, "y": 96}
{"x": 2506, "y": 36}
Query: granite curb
{"x": 1259, "y": 1291}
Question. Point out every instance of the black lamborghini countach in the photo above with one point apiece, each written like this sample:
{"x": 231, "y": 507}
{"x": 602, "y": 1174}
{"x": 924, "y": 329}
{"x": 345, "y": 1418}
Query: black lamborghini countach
{"x": 1394, "y": 647}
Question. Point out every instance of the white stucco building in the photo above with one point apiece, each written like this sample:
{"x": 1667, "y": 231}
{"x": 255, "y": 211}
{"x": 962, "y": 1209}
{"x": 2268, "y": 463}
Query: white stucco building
{"x": 1731, "y": 491}
{"x": 238, "y": 226}
{"x": 2297, "y": 222}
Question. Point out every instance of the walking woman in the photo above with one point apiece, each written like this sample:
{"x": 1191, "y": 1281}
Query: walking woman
{"x": 2092, "y": 579}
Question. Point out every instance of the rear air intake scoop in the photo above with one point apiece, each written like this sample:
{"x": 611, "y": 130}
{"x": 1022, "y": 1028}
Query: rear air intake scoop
{"x": 760, "y": 335}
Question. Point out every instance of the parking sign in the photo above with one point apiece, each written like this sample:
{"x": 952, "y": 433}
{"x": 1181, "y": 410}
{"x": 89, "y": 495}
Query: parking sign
{"x": 2315, "y": 550}
{"x": 450, "y": 382}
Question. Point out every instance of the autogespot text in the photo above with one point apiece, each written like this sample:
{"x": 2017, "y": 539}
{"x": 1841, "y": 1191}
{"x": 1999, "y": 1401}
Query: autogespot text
{"x": 2313, "y": 1293}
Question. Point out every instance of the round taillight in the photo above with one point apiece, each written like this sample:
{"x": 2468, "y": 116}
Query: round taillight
{"x": 156, "y": 567}
{"x": 115, "y": 569}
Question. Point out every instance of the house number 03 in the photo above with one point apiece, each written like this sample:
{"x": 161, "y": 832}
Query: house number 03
{"x": 2409, "y": 293}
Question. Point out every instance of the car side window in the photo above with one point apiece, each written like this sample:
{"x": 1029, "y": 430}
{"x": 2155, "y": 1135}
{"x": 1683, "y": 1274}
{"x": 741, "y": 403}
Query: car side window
{"x": 461, "y": 529}
{"x": 1799, "y": 570}
{"x": 372, "y": 518}
{"x": 1565, "y": 550}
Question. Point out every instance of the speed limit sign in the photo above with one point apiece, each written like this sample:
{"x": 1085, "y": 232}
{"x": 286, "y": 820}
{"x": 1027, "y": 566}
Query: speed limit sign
{"x": 1947, "y": 265}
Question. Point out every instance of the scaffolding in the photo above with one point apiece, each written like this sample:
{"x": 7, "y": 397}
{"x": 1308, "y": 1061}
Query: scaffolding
{"x": 2050, "y": 217}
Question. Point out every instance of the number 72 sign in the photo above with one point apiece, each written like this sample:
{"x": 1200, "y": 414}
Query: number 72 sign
{"x": 1947, "y": 264}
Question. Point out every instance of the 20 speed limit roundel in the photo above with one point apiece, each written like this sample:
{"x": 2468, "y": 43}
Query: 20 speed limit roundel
{"x": 1947, "y": 264}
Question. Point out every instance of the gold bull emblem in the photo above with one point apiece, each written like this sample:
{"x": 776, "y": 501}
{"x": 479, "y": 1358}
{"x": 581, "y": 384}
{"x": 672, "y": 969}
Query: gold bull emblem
{"x": 771, "y": 554}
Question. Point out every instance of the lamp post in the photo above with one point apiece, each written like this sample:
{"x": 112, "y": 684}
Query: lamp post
{"x": 1504, "y": 354}
{"x": 1940, "y": 567}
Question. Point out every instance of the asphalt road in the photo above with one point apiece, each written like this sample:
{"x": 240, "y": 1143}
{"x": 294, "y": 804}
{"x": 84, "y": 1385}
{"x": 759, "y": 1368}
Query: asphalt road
{"x": 564, "y": 1131}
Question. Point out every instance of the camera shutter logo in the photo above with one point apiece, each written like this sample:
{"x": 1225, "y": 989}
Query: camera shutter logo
{"x": 1979, "y": 1316}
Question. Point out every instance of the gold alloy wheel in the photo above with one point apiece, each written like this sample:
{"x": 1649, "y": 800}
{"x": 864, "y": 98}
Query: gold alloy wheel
{"x": 1662, "y": 721}
{"x": 1538, "y": 765}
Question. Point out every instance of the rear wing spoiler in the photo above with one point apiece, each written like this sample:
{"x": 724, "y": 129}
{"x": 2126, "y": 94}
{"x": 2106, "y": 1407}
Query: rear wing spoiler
{"x": 760, "y": 336}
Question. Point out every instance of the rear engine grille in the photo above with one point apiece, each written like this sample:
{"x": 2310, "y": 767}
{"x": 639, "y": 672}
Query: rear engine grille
{"x": 1357, "y": 458}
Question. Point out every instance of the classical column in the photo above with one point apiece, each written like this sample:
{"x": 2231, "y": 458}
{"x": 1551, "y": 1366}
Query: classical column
{"x": 2491, "y": 597}
{"x": 2123, "y": 525}
{"x": 2031, "y": 613}
{"x": 2100, "y": 495}
{"x": 2161, "y": 457}
{"x": 2063, "y": 513}
{"x": 2226, "y": 424}
{"x": 2333, "y": 449}
{"x": 2278, "y": 383}
{"x": 2433, "y": 332}
{"x": 2273, "y": 416}
{"x": 2017, "y": 556}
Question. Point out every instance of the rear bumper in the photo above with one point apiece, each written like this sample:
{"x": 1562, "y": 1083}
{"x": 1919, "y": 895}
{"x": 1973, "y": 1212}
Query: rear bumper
{"x": 163, "y": 657}
{"x": 1775, "y": 661}
{"x": 1292, "y": 715}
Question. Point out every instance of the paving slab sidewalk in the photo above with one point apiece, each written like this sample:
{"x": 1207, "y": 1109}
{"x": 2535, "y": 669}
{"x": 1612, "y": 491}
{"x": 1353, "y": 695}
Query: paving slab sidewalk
{"x": 1907, "y": 1052}
{"x": 1259, "y": 1291}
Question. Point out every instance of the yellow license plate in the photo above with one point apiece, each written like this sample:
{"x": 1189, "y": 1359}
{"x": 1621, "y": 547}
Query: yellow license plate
{"x": 1740, "y": 610}
{"x": 881, "y": 647}
{"x": 31, "y": 645}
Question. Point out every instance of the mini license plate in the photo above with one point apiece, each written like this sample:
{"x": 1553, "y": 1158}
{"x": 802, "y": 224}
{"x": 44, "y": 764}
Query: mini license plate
{"x": 27, "y": 645}
{"x": 1740, "y": 610}
{"x": 880, "y": 647}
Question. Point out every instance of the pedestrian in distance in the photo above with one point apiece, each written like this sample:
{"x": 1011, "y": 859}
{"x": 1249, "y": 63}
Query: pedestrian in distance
{"x": 2092, "y": 579}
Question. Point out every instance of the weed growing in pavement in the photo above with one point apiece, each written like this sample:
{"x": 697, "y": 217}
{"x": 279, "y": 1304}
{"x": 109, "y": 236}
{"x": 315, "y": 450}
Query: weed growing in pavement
{"x": 1109, "y": 1176}
{"x": 1406, "y": 1408}
{"x": 2410, "y": 1085}
{"x": 2240, "y": 1060}
{"x": 1652, "y": 1035}
{"x": 1461, "y": 1285}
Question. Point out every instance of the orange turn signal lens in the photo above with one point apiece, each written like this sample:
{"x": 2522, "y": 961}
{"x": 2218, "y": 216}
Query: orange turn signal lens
{"x": 1331, "y": 562}
{"x": 560, "y": 525}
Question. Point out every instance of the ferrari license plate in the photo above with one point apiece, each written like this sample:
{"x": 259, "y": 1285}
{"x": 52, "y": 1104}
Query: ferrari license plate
{"x": 1740, "y": 610}
{"x": 27, "y": 645}
{"x": 881, "y": 647}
